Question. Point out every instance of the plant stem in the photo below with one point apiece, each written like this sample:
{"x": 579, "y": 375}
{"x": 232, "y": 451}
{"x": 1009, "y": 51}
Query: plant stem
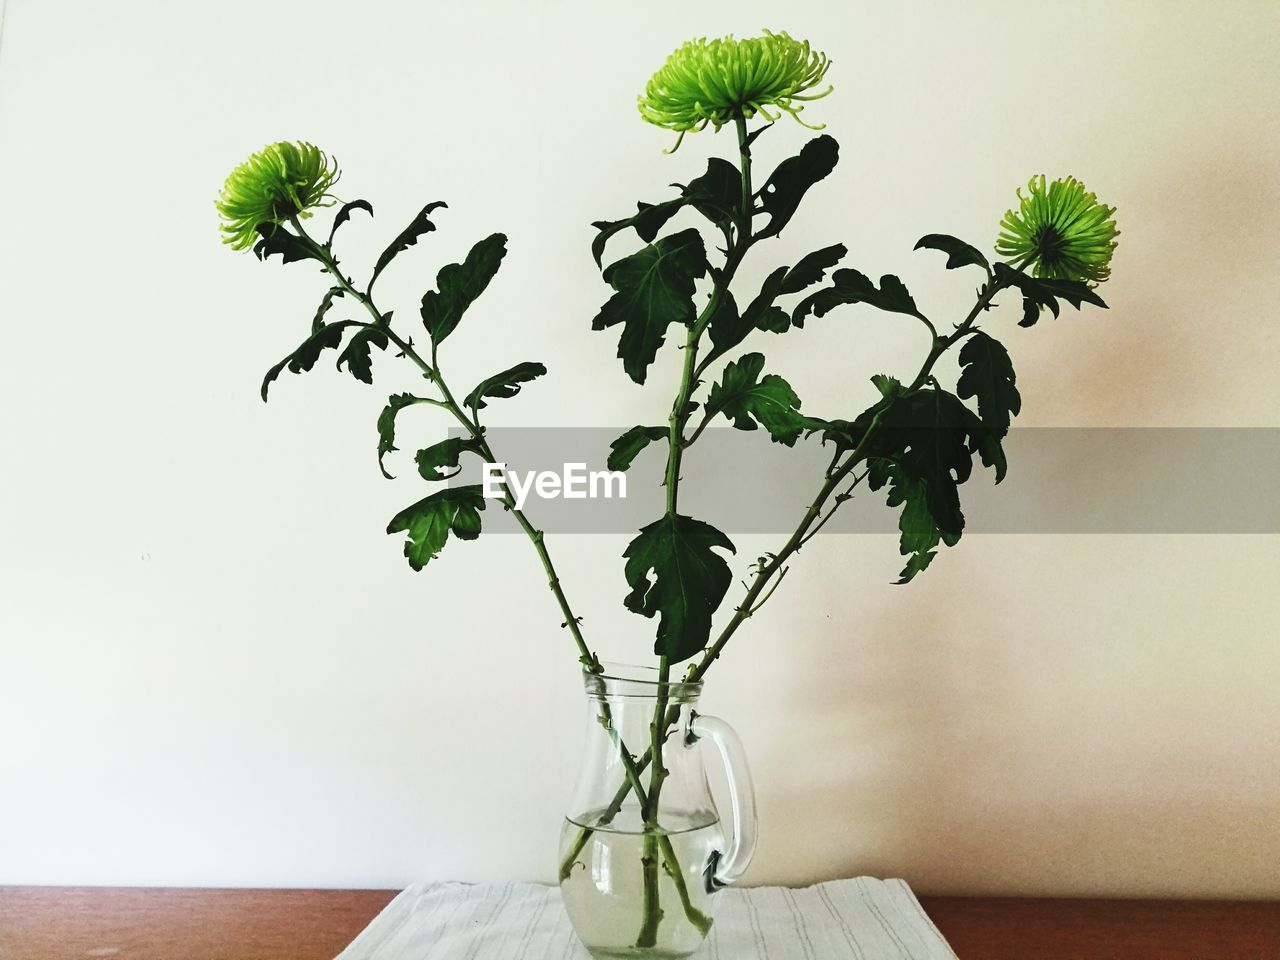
{"x": 650, "y": 907}
{"x": 747, "y": 210}
{"x": 797, "y": 539}
{"x": 432, "y": 372}
{"x": 472, "y": 425}
{"x": 676, "y": 444}
{"x": 765, "y": 573}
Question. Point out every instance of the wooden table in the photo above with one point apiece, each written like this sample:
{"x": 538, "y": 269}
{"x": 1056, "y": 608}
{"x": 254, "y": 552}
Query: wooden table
{"x": 61, "y": 923}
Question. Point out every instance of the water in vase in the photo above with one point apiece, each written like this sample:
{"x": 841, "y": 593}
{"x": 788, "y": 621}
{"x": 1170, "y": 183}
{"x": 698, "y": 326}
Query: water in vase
{"x": 604, "y": 890}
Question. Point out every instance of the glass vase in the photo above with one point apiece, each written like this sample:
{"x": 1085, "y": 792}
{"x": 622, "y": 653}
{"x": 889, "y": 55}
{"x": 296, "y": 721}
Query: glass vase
{"x": 643, "y": 847}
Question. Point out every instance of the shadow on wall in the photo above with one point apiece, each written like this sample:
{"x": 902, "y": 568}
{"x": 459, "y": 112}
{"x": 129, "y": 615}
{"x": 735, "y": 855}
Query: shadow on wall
{"x": 892, "y": 727}
{"x": 928, "y": 752}
{"x": 930, "y": 741}
{"x": 1183, "y": 238}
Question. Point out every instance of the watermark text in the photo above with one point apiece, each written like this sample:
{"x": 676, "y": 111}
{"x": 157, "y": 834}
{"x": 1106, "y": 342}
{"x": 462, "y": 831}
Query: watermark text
{"x": 573, "y": 482}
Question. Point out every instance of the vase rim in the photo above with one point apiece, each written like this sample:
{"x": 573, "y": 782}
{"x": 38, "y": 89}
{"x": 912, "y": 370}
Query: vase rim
{"x": 628, "y": 679}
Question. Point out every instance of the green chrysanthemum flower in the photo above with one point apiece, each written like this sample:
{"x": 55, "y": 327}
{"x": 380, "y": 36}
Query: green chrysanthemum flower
{"x": 1061, "y": 231}
{"x": 713, "y": 82}
{"x": 280, "y": 181}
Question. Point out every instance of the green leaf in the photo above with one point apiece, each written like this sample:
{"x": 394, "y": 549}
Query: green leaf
{"x": 328, "y": 337}
{"x": 624, "y": 450}
{"x": 987, "y": 445}
{"x": 648, "y": 220}
{"x": 420, "y": 225}
{"x": 812, "y": 268}
{"x": 277, "y": 240}
{"x": 1075, "y": 292}
{"x": 726, "y": 326}
{"x": 433, "y": 460}
{"x": 889, "y": 387}
{"x": 959, "y": 253}
{"x": 387, "y": 425}
{"x": 654, "y": 289}
{"x": 504, "y": 384}
{"x": 763, "y": 314}
{"x": 923, "y": 447}
{"x": 1038, "y": 293}
{"x": 429, "y": 522}
{"x": 916, "y": 563}
{"x": 929, "y": 437}
{"x": 851, "y": 286}
{"x": 759, "y": 310}
{"x": 919, "y": 535}
{"x": 747, "y": 399}
{"x": 987, "y": 375}
{"x": 325, "y": 305}
{"x": 344, "y": 214}
{"x": 459, "y": 284}
{"x": 717, "y": 194}
{"x": 673, "y": 570}
{"x": 848, "y": 435}
{"x": 791, "y": 180}
{"x": 358, "y": 357}
{"x": 774, "y": 320}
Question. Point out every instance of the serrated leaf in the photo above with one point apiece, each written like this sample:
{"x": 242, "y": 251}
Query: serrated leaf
{"x": 647, "y": 221}
{"x": 420, "y": 225}
{"x": 387, "y": 425}
{"x": 459, "y": 284}
{"x": 358, "y": 356}
{"x": 986, "y": 375}
{"x": 812, "y": 268}
{"x": 1038, "y": 293}
{"x": 850, "y": 435}
{"x": 916, "y": 563}
{"x": 717, "y": 194}
{"x": 504, "y": 384}
{"x": 930, "y": 431}
{"x": 328, "y": 337}
{"x": 919, "y": 535}
{"x": 654, "y": 289}
{"x": 747, "y": 399}
{"x": 433, "y": 460}
{"x": 791, "y": 180}
{"x": 624, "y": 450}
{"x": 726, "y": 326}
{"x": 276, "y": 240}
{"x": 888, "y": 386}
{"x": 325, "y": 305}
{"x": 429, "y": 522}
{"x": 344, "y": 214}
{"x": 674, "y": 571}
{"x": 852, "y": 286}
{"x": 959, "y": 253}
{"x": 923, "y": 447}
{"x": 761, "y": 306}
{"x": 1075, "y": 292}
{"x": 774, "y": 320}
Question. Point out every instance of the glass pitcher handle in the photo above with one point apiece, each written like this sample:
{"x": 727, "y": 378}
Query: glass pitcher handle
{"x": 729, "y": 865}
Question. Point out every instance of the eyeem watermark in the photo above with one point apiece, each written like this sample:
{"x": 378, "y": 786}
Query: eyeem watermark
{"x": 573, "y": 482}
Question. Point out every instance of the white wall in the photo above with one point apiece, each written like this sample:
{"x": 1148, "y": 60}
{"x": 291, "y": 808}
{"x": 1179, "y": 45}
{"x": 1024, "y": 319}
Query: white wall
{"x": 216, "y": 669}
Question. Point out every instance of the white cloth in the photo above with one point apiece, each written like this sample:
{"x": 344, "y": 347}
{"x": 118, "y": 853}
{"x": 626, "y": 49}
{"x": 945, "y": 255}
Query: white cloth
{"x": 860, "y": 919}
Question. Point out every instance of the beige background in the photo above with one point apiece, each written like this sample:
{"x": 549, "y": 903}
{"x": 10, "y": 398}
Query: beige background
{"x": 216, "y": 669}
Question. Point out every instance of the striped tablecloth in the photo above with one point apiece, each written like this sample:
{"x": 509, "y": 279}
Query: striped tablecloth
{"x": 862, "y": 919}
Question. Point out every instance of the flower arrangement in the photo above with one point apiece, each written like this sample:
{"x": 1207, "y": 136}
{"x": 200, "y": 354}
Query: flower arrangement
{"x": 916, "y": 445}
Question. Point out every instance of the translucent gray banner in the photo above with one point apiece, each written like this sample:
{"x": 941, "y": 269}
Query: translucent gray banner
{"x": 1061, "y": 480}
